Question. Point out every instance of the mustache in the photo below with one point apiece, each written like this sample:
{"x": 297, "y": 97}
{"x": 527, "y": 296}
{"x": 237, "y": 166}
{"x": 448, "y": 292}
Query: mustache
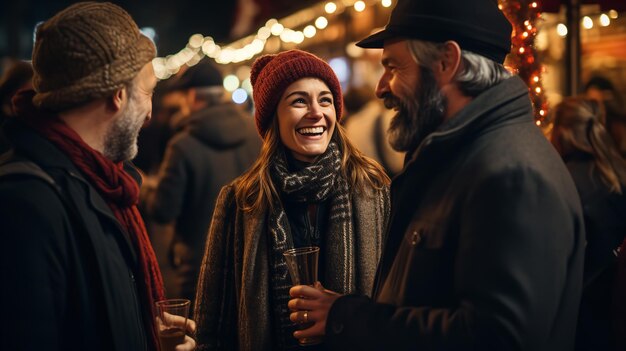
{"x": 391, "y": 101}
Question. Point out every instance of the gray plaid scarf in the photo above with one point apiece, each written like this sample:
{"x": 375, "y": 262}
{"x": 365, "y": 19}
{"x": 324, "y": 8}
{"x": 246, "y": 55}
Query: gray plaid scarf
{"x": 319, "y": 181}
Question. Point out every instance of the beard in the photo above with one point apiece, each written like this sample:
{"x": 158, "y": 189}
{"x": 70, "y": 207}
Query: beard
{"x": 418, "y": 115}
{"x": 120, "y": 141}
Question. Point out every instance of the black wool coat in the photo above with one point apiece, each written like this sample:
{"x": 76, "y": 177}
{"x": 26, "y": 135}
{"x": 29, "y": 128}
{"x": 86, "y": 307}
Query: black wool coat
{"x": 64, "y": 287}
{"x": 485, "y": 245}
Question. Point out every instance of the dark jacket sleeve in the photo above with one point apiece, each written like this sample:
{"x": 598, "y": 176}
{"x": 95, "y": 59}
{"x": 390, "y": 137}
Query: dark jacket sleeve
{"x": 34, "y": 270}
{"x": 215, "y": 296}
{"x": 166, "y": 203}
{"x": 516, "y": 242}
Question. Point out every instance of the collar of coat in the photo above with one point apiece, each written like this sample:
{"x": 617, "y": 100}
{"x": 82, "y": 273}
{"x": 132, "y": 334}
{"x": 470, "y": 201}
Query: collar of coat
{"x": 504, "y": 103}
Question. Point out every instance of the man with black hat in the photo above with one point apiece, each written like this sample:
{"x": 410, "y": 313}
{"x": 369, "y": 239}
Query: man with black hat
{"x": 78, "y": 271}
{"x": 215, "y": 142}
{"x": 484, "y": 249}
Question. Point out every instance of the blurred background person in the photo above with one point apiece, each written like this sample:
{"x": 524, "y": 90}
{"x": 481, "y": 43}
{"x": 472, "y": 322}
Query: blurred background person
{"x": 214, "y": 142}
{"x": 19, "y": 76}
{"x": 600, "y": 176}
{"x": 309, "y": 187}
{"x": 155, "y": 134}
{"x": 602, "y": 90}
{"x": 367, "y": 121}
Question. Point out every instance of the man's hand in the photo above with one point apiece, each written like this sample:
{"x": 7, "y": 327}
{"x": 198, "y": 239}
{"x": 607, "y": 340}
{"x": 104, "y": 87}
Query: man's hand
{"x": 190, "y": 343}
{"x": 178, "y": 321}
{"x": 311, "y": 305}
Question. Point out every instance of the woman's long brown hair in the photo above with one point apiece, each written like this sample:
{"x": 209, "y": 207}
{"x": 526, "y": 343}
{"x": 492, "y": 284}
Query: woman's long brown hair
{"x": 578, "y": 128}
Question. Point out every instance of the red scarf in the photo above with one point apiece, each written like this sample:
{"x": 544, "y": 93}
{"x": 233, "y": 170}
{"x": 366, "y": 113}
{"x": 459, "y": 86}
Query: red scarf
{"x": 117, "y": 188}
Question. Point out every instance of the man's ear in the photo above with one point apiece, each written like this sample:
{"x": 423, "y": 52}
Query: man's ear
{"x": 116, "y": 101}
{"x": 448, "y": 64}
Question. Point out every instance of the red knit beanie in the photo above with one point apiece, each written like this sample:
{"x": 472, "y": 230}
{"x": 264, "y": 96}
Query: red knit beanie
{"x": 272, "y": 74}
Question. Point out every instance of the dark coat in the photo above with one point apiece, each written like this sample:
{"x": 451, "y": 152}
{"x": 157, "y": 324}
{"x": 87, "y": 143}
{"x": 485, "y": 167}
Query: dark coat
{"x": 212, "y": 147}
{"x": 485, "y": 245}
{"x": 605, "y": 226}
{"x": 63, "y": 287}
{"x": 234, "y": 302}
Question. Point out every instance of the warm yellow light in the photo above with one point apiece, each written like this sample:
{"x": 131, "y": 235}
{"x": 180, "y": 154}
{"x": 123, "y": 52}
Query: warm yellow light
{"x": 277, "y": 29}
{"x": 604, "y": 20}
{"x": 330, "y": 7}
{"x": 354, "y": 51}
{"x": 386, "y": 3}
{"x": 613, "y": 14}
{"x": 587, "y": 22}
{"x": 263, "y": 33}
{"x": 359, "y": 6}
{"x": 297, "y": 37}
{"x": 522, "y": 50}
{"x": 287, "y": 35}
{"x": 195, "y": 41}
{"x": 561, "y": 29}
{"x": 538, "y": 123}
{"x": 538, "y": 90}
{"x": 542, "y": 112}
{"x": 208, "y": 47}
{"x": 536, "y": 79}
{"x": 533, "y": 5}
{"x": 231, "y": 82}
{"x": 321, "y": 22}
{"x": 525, "y": 34}
{"x": 309, "y": 31}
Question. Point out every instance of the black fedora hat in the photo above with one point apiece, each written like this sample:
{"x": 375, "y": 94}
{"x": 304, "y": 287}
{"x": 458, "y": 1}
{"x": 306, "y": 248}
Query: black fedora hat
{"x": 476, "y": 25}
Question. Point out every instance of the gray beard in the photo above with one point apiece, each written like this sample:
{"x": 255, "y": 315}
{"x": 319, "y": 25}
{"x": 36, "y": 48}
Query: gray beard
{"x": 120, "y": 142}
{"x": 417, "y": 117}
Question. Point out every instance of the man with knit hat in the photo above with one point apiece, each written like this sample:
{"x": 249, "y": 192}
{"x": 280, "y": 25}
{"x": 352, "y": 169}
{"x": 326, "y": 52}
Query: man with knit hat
{"x": 484, "y": 249}
{"x": 78, "y": 270}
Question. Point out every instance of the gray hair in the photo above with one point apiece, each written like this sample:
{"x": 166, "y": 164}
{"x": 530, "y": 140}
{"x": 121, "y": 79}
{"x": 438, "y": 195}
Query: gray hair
{"x": 476, "y": 74}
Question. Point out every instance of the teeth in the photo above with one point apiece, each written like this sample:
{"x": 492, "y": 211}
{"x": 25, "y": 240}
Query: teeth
{"x": 316, "y": 130}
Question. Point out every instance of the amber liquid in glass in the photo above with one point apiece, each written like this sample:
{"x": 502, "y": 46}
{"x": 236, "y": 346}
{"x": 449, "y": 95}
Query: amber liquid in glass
{"x": 169, "y": 338}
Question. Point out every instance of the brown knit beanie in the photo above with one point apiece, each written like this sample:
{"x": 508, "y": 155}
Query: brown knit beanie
{"x": 85, "y": 52}
{"x": 272, "y": 74}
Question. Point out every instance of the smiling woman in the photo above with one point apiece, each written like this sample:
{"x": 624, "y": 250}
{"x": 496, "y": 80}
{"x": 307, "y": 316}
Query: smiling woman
{"x": 309, "y": 187}
{"x": 306, "y": 118}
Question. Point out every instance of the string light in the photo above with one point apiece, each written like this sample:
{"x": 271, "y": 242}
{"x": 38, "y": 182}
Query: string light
{"x": 309, "y": 31}
{"x": 321, "y": 22}
{"x": 195, "y": 41}
{"x": 587, "y": 22}
{"x": 330, "y": 7}
{"x": 268, "y": 38}
{"x": 604, "y": 20}
{"x": 359, "y": 6}
{"x": 523, "y": 59}
{"x": 561, "y": 29}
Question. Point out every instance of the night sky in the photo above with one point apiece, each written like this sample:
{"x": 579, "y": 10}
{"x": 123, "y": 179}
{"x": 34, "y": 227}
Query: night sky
{"x": 173, "y": 20}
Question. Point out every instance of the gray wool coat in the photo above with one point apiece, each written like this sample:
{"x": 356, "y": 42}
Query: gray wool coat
{"x": 233, "y": 303}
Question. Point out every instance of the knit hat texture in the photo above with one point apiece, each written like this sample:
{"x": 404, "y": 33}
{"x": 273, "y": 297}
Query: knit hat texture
{"x": 272, "y": 74}
{"x": 85, "y": 52}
